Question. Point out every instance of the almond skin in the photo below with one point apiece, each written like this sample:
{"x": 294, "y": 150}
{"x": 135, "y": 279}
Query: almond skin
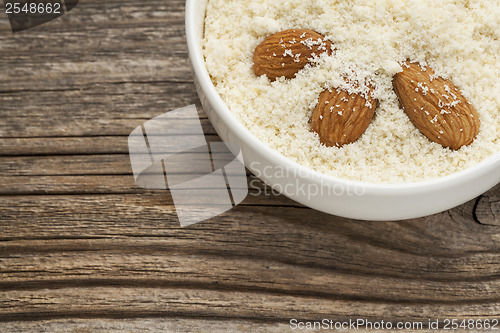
{"x": 287, "y": 52}
{"x": 436, "y": 106}
{"x": 341, "y": 118}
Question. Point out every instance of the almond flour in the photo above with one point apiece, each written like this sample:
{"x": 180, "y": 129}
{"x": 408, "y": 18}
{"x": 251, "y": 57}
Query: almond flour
{"x": 459, "y": 39}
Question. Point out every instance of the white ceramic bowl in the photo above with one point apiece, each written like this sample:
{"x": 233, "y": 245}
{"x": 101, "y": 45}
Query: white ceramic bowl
{"x": 328, "y": 194}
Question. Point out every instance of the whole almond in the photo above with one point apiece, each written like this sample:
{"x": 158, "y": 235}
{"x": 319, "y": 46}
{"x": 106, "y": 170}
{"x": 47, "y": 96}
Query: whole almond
{"x": 436, "y": 106}
{"x": 341, "y": 118}
{"x": 287, "y": 52}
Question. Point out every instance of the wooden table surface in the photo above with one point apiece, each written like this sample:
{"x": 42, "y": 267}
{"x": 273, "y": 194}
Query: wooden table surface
{"x": 82, "y": 249}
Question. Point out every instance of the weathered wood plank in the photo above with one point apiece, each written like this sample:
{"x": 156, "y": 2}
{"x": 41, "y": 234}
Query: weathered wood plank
{"x": 109, "y": 83}
{"x": 94, "y": 145}
{"x": 67, "y": 185}
{"x": 63, "y": 146}
{"x": 437, "y": 248}
{"x": 108, "y": 110}
{"x": 149, "y": 325}
{"x": 487, "y": 210}
{"x": 195, "y": 303}
{"x": 66, "y": 165}
{"x": 176, "y": 325}
{"x": 98, "y": 41}
{"x": 69, "y": 165}
{"x": 259, "y": 193}
{"x": 131, "y": 266}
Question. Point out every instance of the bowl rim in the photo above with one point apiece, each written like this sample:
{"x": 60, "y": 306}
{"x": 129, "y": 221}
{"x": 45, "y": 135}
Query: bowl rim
{"x": 201, "y": 73}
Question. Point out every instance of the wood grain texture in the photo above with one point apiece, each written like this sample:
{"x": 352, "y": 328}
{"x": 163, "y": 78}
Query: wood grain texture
{"x": 165, "y": 325}
{"x": 83, "y": 249}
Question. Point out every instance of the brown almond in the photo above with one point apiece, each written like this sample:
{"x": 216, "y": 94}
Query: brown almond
{"x": 436, "y": 106}
{"x": 341, "y": 118}
{"x": 287, "y": 52}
